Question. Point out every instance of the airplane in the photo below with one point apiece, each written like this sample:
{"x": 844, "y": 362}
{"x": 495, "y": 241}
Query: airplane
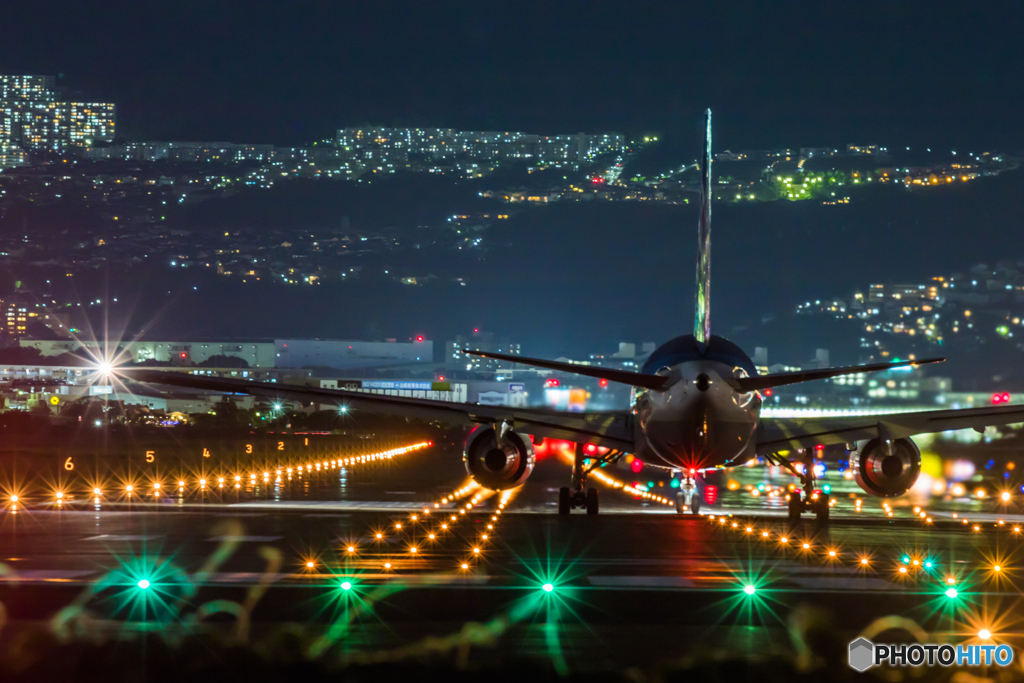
{"x": 695, "y": 407}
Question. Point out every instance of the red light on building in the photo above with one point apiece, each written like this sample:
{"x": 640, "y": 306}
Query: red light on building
{"x": 1001, "y": 398}
{"x": 820, "y": 447}
{"x": 590, "y": 449}
{"x": 767, "y": 392}
{"x": 440, "y": 378}
{"x": 552, "y": 383}
{"x": 184, "y": 355}
{"x": 419, "y": 338}
{"x": 636, "y": 465}
{"x": 603, "y": 382}
{"x": 476, "y": 329}
{"x": 710, "y": 494}
{"x": 598, "y": 180}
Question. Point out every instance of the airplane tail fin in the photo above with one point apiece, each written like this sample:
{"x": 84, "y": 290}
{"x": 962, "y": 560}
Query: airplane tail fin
{"x": 702, "y": 319}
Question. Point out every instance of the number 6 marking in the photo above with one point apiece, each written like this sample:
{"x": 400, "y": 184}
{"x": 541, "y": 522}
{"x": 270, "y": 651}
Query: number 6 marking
{"x": 69, "y": 464}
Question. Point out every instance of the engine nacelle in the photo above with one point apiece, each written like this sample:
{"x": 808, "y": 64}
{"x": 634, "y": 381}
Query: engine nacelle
{"x": 887, "y": 475}
{"x": 498, "y": 468}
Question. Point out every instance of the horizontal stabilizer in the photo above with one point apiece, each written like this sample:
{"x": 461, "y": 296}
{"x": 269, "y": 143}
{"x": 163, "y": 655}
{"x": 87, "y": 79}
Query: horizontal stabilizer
{"x": 747, "y": 384}
{"x": 636, "y": 379}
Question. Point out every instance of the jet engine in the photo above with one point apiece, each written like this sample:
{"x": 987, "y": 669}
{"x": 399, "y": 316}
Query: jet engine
{"x": 887, "y": 471}
{"x": 498, "y": 467}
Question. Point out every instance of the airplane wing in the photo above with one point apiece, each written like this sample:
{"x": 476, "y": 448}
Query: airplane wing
{"x": 747, "y": 384}
{"x": 636, "y": 379}
{"x": 776, "y": 434}
{"x": 608, "y": 429}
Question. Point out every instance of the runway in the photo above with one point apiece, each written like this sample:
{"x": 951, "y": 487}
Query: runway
{"x": 632, "y": 586}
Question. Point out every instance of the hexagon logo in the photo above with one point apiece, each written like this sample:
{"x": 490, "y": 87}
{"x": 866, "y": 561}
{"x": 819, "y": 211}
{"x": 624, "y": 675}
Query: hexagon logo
{"x": 862, "y": 654}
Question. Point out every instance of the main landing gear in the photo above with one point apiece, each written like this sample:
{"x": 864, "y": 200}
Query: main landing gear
{"x": 573, "y": 496}
{"x": 807, "y": 500}
{"x": 688, "y": 498}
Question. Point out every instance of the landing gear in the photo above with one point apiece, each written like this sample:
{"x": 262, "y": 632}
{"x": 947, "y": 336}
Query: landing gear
{"x": 688, "y": 498}
{"x": 574, "y": 496}
{"x": 564, "y": 501}
{"x": 807, "y": 500}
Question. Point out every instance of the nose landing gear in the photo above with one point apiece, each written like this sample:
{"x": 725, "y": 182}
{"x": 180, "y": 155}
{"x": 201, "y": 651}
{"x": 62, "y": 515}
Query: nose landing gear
{"x": 688, "y": 498}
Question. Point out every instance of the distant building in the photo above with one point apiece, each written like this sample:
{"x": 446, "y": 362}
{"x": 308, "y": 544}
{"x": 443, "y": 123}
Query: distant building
{"x": 35, "y": 115}
{"x": 381, "y": 147}
{"x": 183, "y": 353}
{"x": 479, "y": 341}
{"x": 350, "y": 355}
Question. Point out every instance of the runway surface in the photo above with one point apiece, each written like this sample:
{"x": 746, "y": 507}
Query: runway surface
{"x": 503, "y": 575}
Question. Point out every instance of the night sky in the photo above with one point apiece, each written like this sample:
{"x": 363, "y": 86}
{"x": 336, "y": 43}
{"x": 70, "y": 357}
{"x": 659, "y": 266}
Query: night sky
{"x": 576, "y": 280}
{"x": 777, "y": 74}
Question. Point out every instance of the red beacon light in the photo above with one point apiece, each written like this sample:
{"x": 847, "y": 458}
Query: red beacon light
{"x": 768, "y": 392}
{"x": 602, "y": 382}
{"x": 419, "y": 338}
{"x": 552, "y": 382}
{"x": 1001, "y": 398}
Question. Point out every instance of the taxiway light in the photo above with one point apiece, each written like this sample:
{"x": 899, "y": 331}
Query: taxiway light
{"x": 387, "y": 565}
{"x": 997, "y": 568}
{"x": 831, "y": 553}
{"x": 379, "y": 536}
{"x": 129, "y": 488}
{"x": 431, "y": 537}
{"x": 412, "y": 549}
{"x": 951, "y": 581}
{"x": 14, "y": 499}
{"x": 345, "y": 585}
{"x": 927, "y": 565}
{"x": 96, "y": 491}
{"x": 807, "y": 546}
{"x": 984, "y": 634}
{"x": 1005, "y": 496}
{"x": 310, "y": 564}
{"x": 951, "y": 593}
{"x": 351, "y": 549}
{"x": 465, "y": 566}
{"x": 783, "y": 540}
{"x": 863, "y": 560}
{"x": 749, "y": 589}
{"x": 476, "y": 551}
{"x": 547, "y": 587}
{"x": 143, "y": 584}
{"x": 903, "y": 570}
{"x": 398, "y": 526}
{"x": 764, "y": 534}
{"x": 156, "y": 486}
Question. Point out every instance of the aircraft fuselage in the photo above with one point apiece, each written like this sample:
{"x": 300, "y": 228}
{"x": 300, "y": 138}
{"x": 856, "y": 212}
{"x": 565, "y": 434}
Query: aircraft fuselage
{"x": 700, "y": 420}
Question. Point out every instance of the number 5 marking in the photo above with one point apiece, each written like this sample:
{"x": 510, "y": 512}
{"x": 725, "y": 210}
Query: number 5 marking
{"x": 150, "y": 456}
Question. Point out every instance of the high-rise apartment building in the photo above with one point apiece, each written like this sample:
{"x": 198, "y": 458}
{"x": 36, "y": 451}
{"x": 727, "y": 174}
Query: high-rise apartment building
{"x": 34, "y": 115}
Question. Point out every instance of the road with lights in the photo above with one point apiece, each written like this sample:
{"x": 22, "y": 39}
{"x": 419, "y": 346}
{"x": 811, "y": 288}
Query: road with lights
{"x": 422, "y": 551}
